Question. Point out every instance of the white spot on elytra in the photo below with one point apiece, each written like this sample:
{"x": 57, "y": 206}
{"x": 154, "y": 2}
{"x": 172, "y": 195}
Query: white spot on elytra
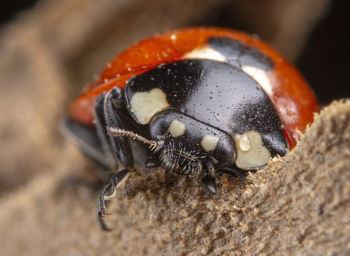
{"x": 260, "y": 76}
{"x": 205, "y": 53}
{"x": 144, "y": 105}
{"x": 173, "y": 37}
{"x": 244, "y": 143}
{"x": 251, "y": 152}
{"x": 176, "y": 128}
{"x": 209, "y": 142}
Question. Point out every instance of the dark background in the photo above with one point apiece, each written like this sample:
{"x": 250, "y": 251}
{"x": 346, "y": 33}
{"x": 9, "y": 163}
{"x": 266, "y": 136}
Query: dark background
{"x": 9, "y": 8}
{"x": 323, "y": 61}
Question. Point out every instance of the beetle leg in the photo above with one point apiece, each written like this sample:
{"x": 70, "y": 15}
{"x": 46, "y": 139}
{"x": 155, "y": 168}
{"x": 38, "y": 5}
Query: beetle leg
{"x": 99, "y": 119}
{"x": 86, "y": 139}
{"x": 241, "y": 174}
{"x": 117, "y": 150}
{"x": 109, "y": 191}
{"x": 113, "y": 117}
{"x": 209, "y": 184}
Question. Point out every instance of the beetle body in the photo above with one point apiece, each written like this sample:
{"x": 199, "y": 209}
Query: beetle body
{"x": 197, "y": 102}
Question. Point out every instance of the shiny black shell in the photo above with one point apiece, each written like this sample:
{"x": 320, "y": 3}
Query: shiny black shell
{"x": 217, "y": 94}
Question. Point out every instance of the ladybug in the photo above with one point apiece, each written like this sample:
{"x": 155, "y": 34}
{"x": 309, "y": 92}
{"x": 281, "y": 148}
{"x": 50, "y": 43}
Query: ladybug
{"x": 198, "y": 102}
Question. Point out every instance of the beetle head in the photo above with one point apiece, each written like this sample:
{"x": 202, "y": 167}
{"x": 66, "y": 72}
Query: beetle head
{"x": 190, "y": 146}
{"x": 186, "y": 145}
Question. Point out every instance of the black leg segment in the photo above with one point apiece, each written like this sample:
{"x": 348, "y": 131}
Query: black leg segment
{"x": 109, "y": 191}
{"x": 112, "y": 109}
{"x": 209, "y": 184}
{"x": 236, "y": 172}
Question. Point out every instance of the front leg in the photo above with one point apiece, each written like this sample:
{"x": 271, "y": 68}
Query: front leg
{"x": 116, "y": 149}
{"x": 108, "y": 114}
{"x": 234, "y": 172}
{"x": 111, "y": 120}
{"x": 208, "y": 181}
{"x": 109, "y": 191}
{"x": 209, "y": 184}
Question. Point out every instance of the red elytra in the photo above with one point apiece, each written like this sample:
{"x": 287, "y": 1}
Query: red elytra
{"x": 291, "y": 95}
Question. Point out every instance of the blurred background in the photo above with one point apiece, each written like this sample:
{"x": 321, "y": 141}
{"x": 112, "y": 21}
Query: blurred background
{"x": 51, "y": 48}
{"x": 321, "y": 53}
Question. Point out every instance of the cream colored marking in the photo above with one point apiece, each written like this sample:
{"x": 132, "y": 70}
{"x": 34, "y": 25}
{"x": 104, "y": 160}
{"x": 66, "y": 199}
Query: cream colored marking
{"x": 173, "y": 37}
{"x": 109, "y": 197}
{"x": 260, "y": 76}
{"x": 205, "y": 53}
{"x": 209, "y": 142}
{"x": 257, "y": 155}
{"x": 145, "y": 105}
{"x": 244, "y": 143}
{"x": 176, "y": 128}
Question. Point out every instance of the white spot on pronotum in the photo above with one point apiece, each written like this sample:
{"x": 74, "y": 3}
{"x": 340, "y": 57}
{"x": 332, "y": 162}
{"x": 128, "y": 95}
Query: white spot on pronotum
{"x": 244, "y": 143}
{"x": 144, "y": 105}
{"x": 209, "y": 142}
{"x": 251, "y": 152}
{"x": 260, "y": 76}
{"x": 176, "y": 128}
{"x": 205, "y": 53}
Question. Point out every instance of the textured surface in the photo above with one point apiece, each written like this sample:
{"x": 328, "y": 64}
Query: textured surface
{"x": 299, "y": 204}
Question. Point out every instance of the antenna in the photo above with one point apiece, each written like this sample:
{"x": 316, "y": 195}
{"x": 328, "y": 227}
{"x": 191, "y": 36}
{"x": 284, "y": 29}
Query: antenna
{"x": 118, "y": 132}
